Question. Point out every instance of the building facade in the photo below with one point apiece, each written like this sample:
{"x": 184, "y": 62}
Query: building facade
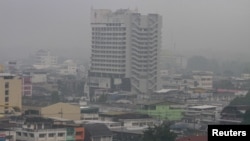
{"x": 26, "y": 84}
{"x": 58, "y": 110}
{"x": 10, "y": 93}
{"x": 44, "y": 59}
{"x": 125, "y": 51}
{"x": 203, "y": 79}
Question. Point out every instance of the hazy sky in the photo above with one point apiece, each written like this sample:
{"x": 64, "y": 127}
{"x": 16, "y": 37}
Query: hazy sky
{"x": 209, "y": 27}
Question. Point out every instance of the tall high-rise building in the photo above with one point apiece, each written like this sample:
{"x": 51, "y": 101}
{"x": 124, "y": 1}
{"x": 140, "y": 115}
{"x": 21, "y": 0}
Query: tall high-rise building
{"x": 125, "y": 51}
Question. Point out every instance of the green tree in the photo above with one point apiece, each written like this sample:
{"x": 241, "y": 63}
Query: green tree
{"x": 246, "y": 117}
{"x": 55, "y": 97}
{"x": 241, "y": 100}
{"x": 102, "y": 98}
{"x": 159, "y": 133}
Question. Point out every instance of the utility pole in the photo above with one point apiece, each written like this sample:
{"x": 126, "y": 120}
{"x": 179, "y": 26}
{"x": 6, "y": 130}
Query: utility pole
{"x": 61, "y": 113}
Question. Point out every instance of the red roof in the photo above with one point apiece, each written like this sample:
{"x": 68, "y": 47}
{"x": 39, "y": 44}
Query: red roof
{"x": 193, "y": 138}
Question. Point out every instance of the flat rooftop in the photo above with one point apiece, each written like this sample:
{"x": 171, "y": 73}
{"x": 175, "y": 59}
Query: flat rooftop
{"x": 203, "y": 107}
{"x": 6, "y": 74}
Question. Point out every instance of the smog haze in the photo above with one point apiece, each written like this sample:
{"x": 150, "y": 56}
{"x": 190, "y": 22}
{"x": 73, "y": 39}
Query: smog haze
{"x": 212, "y": 28}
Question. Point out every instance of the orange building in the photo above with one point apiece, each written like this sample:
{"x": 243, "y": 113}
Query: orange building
{"x": 79, "y": 134}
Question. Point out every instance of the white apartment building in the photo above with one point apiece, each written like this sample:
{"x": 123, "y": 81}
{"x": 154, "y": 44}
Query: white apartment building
{"x": 69, "y": 67}
{"x": 44, "y": 59}
{"x": 125, "y": 51}
{"x": 41, "y": 135}
{"x": 203, "y": 79}
{"x": 39, "y": 77}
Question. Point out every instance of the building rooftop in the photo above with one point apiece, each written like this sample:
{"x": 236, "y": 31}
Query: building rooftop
{"x": 130, "y": 130}
{"x": 165, "y": 90}
{"x": 6, "y": 74}
{"x": 203, "y": 107}
{"x": 98, "y": 129}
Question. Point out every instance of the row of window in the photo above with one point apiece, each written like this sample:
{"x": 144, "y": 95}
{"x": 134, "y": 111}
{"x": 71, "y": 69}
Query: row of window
{"x": 113, "y": 24}
{"x": 134, "y": 60}
{"x": 142, "y": 33}
{"x": 113, "y": 52}
{"x": 108, "y": 65}
{"x": 114, "y": 43}
{"x": 6, "y": 85}
{"x": 108, "y": 56}
{"x": 149, "y": 57}
{"x": 144, "y": 70}
{"x": 42, "y": 135}
{"x": 113, "y": 70}
{"x": 6, "y": 98}
{"x": 108, "y": 34}
{"x": 141, "y": 52}
{"x": 108, "y": 28}
{"x": 110, "y": 61}
{"x": 146, "y": 42}
{"x": 145, "y": 29}
{"x": 108, "y": 47}
{"x": 108, "y": 38}
{"x": 144, "y": 38}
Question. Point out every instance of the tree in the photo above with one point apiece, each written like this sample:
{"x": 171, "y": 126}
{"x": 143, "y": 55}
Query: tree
{"x": 241, "y": 100}
{"x": 55, "y": 97}
{"x": 246, "y": 117}
{"x": 102, "y": 98}
{"x": 159, "y": 133}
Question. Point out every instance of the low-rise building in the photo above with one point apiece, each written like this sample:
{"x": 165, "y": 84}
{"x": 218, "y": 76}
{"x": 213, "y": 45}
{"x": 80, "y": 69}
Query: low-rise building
{"x": 7, "y": 135}
{"x": 26, "y": 84}
{"x": 89, "y": 113}
{"x": 10, "y": 94}
{"x": 201, "y": 115}
{"x": 59, "y": 110}
{"x": 203, "y": 79}
{"x": 164, "y": 111}
{"x": 39, "y": 129}
{"x": 97, "y": 132}
{"x": 39, "y": 77}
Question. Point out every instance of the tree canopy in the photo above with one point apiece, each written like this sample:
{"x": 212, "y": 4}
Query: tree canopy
{"x": 246, "y": 117}
{"x": 241, "y": 100}
{"x": 159, "y": 133}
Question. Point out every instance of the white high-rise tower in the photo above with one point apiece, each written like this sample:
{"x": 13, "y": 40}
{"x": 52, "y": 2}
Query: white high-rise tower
{"x": 125, "y": 51}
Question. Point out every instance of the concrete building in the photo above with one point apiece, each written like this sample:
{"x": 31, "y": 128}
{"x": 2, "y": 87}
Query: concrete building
{"x": 197, "y": 116}
{"x": 69, "y": 67}
{"x": 1, "y": 68}
{"x": 203, "y": 79}
{"x": 27, "y": 84}
{"x": 44, "y": 59}
{"x": 40, "y": 129}
{"x": 125, "y": 51}
{"x": 245, "y": 76}
{"x": 39, "y": 77}
{"x": 7, "y": 135}
{"x": 13, "y": 66}
{"x": 10, "y": 93}
{"x": 58, "y": 110}
{"x": 97, "y": 132}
